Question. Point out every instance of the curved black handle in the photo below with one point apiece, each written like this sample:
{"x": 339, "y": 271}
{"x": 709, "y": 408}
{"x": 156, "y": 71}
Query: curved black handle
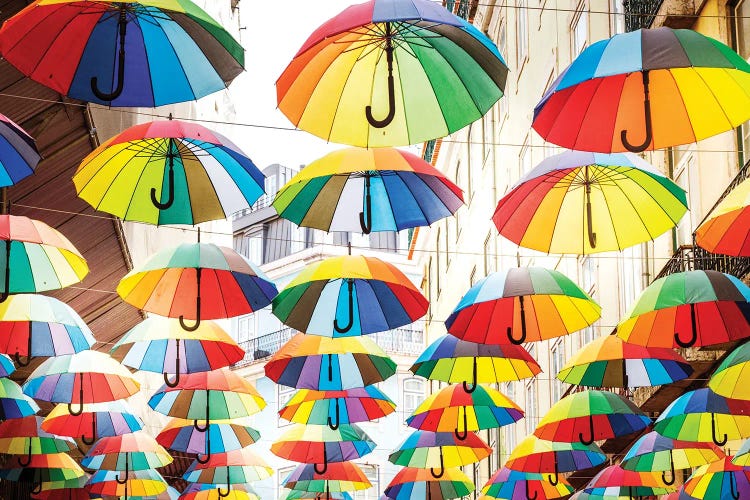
{"x": 350, "y": 324}
{"x": 528, "y": 495}
{"x": 127, "y": 467}
{"x": 553, "y": 480}
{"x": 391, "y": 86}
{"x": 122, "y": 23}
{"x": 335, "y": 426}
{"x": 693, "y": 333}
{"x": 589, "y": 222}
{"x": 590, "y": 439}
{"x": 170, "y": 191}
{"x": 647, "y": 118}
{"x": 733, "y": 487}
{"x": 671, "y": 467}
{"x": 17, "y": 355}
{"x": 437, "y": 475}
{"x": 221, "y": 493}
{"x": 473, "y": 387}
{"x": 80, "y": 403}
{"x": 461, "y": 435}
{"x": 207, "y": 456}
{"x": 194, "y": 327}
{"x": 208, "y": 414}
{"x": 365, "y": 218}
{"x": 25, "y": 462}
{"x": 92, "y": 440}
{"x": 325, "y": 463}
{"x": 6, "y": 290}
{"x": 176, "y": 381}
{"x": 716, "y": 441}
{"x": 520, "y": 340}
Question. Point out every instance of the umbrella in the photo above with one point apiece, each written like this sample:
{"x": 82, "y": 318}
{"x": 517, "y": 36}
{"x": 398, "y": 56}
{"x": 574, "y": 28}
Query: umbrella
{"x": 161, "y": 345}
{"x": 230, "y": 468}
{"x": 24, "y": 436}
{"x": 730, "y": 378}
{"x": 19, "y": 155}
{"x": 175, "y": 51}
{"x": 452, "y": 408}
{"x": 64, "y": 490}
{"x": 41, "y": 469}
{"x": 197, "y": 281}
{"x": 139, "y": 483}
{"x": 329, "y": 364}
{"x": 629, "y": 483}
{"x": 450, "y": 359}
{"x": 221, "y": 436}
{"x": 688, "y": 86}
{"x": 14, "y": 403}
{"x": 609, "y": 361}
{"x": 508, "y": 483}
{"x": 742, "y": 457}
{"x": 349, "y": 296}
{"x": 341, "y": 476}
{"x": 333, "y": 408}
{"x": 315, "y": 495}
{"x": 6, "y": 365}
{"x": 691, "y": 308}
{"x": 583, "y": 203}
{"x": 654, "y": 452}
{"x": 97, "y": 420}
{"x": 319, "y": 444}
{"x": 40, "y": 257}
{"x": 169, "y": 172}
{"x": 719, "y": 479}
{"x": 411, "y": 482}
{"x": 439, "y": 451}
{"x": 128, "y": 452}
{"x": 37, "y": 325}
{"x": 380, "y": 60}
{"x": 726, "y": 227}
{"x": 703, "y": 415}
{"x": 198, "y": 491}
{"x": 528, "y": 304}
{"x": 589, "y": 416}
{"x": 397, "y": 189}
{"x": 540, "y": 456}
{"x": 84, "y": 377}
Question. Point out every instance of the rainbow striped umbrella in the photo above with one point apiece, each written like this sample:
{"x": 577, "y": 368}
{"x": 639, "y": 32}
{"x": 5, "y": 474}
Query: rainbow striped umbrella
{"x": 315, "y": 495}
{"x": 139, "y": 483}
{"x": 719, "y": 479}
{"x": 221, "y": 436}
{"x": 333, "y": 408}
{"x": 128, "y": 452}
{"x": 411, "y": 482}
{"x": 231, "y": 468}
{"x": 42, "y": 469}
{"x": 614, "y": 481}
{"x": 730, "y": 378}
{"x": 197, "y": 281}
{"x": 396, "y": 190}
{"x": 341, "y": 476}
{"x": 19, "y": 155}
{"x": 726, "y": 227}
{"x": 25, "y": 437}
{"x": 70, "y": 489}
{"x": 508, "y": 483}
{"x": 198, "y": 491}
{"x": 525, "y": 304}
{"x": 349, "y": 296}
{"x": 97, "y": 420}
{"x": 438, "y": 451}
{"x": 13, "y": 402}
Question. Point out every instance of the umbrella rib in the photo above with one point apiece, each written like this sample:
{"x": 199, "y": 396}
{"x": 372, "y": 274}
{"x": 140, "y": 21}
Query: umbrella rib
{"x": 338, "y": 103}
{"x": 179, "y": 61}
{"x": 29, "y": 33}
{"x": 432, "y": 87}
{"x": 588, "y": 106}
{"x": 713, "y": 95}
{"x": 635, "y": 209}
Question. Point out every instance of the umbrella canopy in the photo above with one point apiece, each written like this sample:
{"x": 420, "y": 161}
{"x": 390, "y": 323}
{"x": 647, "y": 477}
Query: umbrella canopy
{"x": 511, "y": 484}
{"x": 139, "y": 483}
{"x": 36, "y": 257}
{"x": 233, "y": 467}
{"x": 450, "y": 359}
{"x": 315, "y": 495}
{"x": 366, "y": 77}
{"x": 127, "y": 452}
{"x": 97, "y": 420}
{"x": 198, "y": 491}
{"x": 703, "y": 415}
{"x": 41, "y": 469}
{"x": 725, "y": 229}
{"x": 647, "y": 89}
{"x": 333, "y": 408}
{"x": 220, "y": 437}
{"x": 609, "y": 361}
{"x": 25, "y": 437}
{"x": 6, "y": 365}
{"x": 319, "y": 444}
{"x": 589, "y": 416}
{"x": 348, "y": 296}
{"x": 452, "y": 408}
{"x": 169, "y": 172}
{"x": 730, "y": 378}
{"x": 412, "y": 482}
{"x": 197, "y": 281}
{"x": 161, "y": 345}
{"x": 583, "y": 203}
{"x": 691, "y": 308}
{"x": 78, "y": 493}
{"x": 630, "y": 483}
{"x": 19, "y": 155}
{"x": 341, "y": 476}
{"x": 396, "y": 190}
{"x": 14, "y": 403}
{"x": 524, "y": 304}
{"x": 146, "y": 53}
{"x": 438, "y": 451}
{"x": 540, "y": 456}
{"x": 328, "y": 364}
{"x": 38, "y": 325}
{"x": 720, "y": 479}
{"x": 742, "y": 457}
{"x": 84, "y": 377}
{"x": 654, "y": 452}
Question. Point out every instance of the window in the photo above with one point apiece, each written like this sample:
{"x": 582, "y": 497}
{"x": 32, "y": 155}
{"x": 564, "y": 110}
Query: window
{"x": 413, "y": 394}
{"x": 685, "y": 176}
{"x": 502, "y": 46}
{"x": 522, "y": 33}
{"x": 428, "y": 286}
{"x": 587, "y": 267}
{"x": 271, "y": 186}
{"x": 618, "y": 17}
{"x": 298, "y": 238}
{"x": 631, "y": 276}
{"x": 251, "y": 245}
{"x": 557, "y": 361}
{"x": 580, "y": 31}
{"x": 245, "y": 328}
{"x": 510, "y": 430}
{"x": 532, "y": 405}
{"x": 742, "y": 46}
{"x": 490, "y": 257}
{"x": 372, "y": 474}
{"x": 585, "y": 336}
{"x": 283, "y": 395}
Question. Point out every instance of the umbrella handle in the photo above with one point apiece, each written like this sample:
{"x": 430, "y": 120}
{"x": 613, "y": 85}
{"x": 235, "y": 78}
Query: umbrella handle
{"x": 350, "y": 324}
{"x": 589, "y": 222}
{"x": 170, "y": 184}
{"x": 590, "y": 439}
{"x": 338, "y": 419}
{"x": 207, "y": 456}
{"x": 553, "y": 480}
{"x": 733, "y": 487}
{"x": 176, "y": 382}
{"x": 437, "y": 475}
{"x": 122, "y": 23}
{"x": 208, "y": 415}
{"x": 80, "y": 403}
{"x": 194, "y": 327}
{"x": 647, "y": 117}
{"x": 716, "y": 441}
{"x": 365, "y": 218}
{"x": 223, "y": 493}
{"x": 117, "y": 477}
{"x": 17, "y": 355}
{"x": 391, "y": 86}
{"x": 25, "y": 462}
{"x": 91, "y": 441}
{"x": 664, "y": 473}
{"x": 520, "y": 340}
{"x": 473, "y": 387}
{"x": 461, "y": 436}
{"x": 325, "y": 462}
{"x": 6, "y": 290}
{"x": 528, "y": 495}
{"x": 693, "y": 333}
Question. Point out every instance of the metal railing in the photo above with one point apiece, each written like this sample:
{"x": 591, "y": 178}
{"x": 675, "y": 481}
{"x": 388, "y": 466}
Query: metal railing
{"x": 640, "y": 13}
{"x": 264, "y": 346}
{"x": 264, "y": 201}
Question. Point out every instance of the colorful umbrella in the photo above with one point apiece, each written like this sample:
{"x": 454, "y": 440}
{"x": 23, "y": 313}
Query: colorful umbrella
{"x": 13, "y": 402}
{"x": 139, "y": 483}
{"x": 40, "y": 257}
{"x": 221, "y": 436}
{"x": 161, "y": 345}
{"x": 654, "y": 452}
{"x": 730, "y": 378}
{"x": 539, "y": 456}
{"x": 411, "y": 482}
{"x": 508, "y": 483}
{"x": 169, "y": 172}
{"x": 198, "y": 491}
{"x": 25, "y": 437}
{"x": 688, "y": 85}
{"x": 609, "y": 361}
{"x": 6, "y": 365}
{"x": 452, "y": 408}
{"x": 450, "y": 359}
{"x": 341, "y": 476}
{"x": 71, "y": 489}
{"x": 319, "y": 444}
{"x": 349, "y": 296}
{"x": 230, "y": 468}
{"x": 41, "y": 469}
{"x": 328, "y": 364}
{"x": 720, "y": 479}
{"x": 439, "y": 450}
{"x": 567, "y": 204}
{"x": 380, "y": 60}
{"x": 528, "y": 304}
{"x": 727, "y": 226}
{"x": 703, "y": 415}
{"x": 689, "y": 309}
{"x": 397, "y": 190}
{"x": 37, "y": 325}
{"x": 629, "y": 483}
{"x": 19, "y": 155}
{"x": 315, "y": 495}
{"x": 84, "y": 377}
{"x": 333, "y": 408}
{"x": 175, "y": 51}
{"x": 742, "y": 457}
{"x": 97, "y": 420}
{"x": 589, "y": 416}
{"x": 197, "y": 281}
{"x": 128, "y": 452}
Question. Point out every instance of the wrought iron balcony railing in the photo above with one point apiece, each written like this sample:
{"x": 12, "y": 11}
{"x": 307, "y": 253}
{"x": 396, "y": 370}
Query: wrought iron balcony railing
{"x": 640, "y": 13}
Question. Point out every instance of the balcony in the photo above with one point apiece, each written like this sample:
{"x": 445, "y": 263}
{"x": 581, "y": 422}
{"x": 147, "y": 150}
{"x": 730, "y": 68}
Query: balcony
{"x": 262, "y": 202}
{"x": 640, "y": 13}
